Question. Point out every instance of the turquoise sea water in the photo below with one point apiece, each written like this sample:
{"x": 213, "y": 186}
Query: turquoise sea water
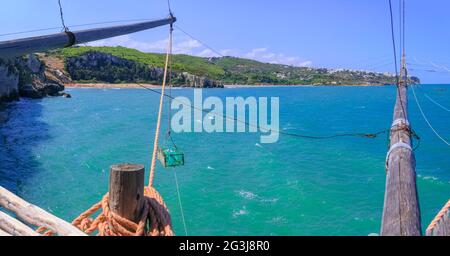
{"x": 56, "y": 153}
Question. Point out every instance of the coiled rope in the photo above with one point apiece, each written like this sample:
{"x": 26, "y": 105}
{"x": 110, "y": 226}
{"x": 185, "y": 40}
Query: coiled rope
{"x": 107, "y": 223}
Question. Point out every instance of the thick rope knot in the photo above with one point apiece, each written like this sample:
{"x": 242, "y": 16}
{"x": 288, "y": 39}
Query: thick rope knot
{"x": 154, "y": 219}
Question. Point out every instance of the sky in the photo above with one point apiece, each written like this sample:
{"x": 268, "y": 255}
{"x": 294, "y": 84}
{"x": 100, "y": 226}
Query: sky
{"x": 353, "y": 34}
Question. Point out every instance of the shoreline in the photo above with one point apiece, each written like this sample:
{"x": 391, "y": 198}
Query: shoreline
{"x": 153, "y": 86}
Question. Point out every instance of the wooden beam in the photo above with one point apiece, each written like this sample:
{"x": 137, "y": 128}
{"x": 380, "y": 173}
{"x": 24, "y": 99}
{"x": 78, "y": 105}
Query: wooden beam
{"x": 4, "y": 233}
{"x": 35, "y": 215}
{"x": 401, "y": 213}
{"x": 15, "y": 227}
{"x": 19, "y": 47}
{"x": 126, "y": 190}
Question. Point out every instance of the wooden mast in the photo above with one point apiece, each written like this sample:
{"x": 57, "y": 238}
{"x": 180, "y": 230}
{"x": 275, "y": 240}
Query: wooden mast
{"x": 19, "y": 47}
{"x": 401, "y": 213}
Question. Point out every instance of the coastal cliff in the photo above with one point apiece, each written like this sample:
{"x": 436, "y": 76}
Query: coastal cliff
{"x": 94, "y": 66}
{"x": 45, "y": 74}
{"x": 9, "y": 81}
{"x": 26, "y": 77}
{"x": 123, "y": 65}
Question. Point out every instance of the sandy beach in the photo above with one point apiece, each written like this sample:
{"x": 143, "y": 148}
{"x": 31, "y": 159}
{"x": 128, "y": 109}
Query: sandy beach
{"x": 134, "y": 86}
{"x": 111, "y": 86}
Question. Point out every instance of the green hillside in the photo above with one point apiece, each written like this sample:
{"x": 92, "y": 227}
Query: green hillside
{"x": 232, "y": 70}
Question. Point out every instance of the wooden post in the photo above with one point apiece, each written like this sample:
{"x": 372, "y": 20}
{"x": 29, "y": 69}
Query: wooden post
{"x": 401, "y": 213}
{"x": 126, "y": 190}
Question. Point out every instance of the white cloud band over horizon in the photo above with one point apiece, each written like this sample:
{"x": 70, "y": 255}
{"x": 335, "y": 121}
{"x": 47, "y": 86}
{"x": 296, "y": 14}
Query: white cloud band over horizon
{"x": 193, "y": 47}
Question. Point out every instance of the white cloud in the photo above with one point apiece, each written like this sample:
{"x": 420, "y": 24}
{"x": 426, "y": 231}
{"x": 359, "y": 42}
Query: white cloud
{"x": 190, "y": 46}
{"x": 264, "y": 55}
{"x": 186, "y": 46}
{"x": 207, "y": 53}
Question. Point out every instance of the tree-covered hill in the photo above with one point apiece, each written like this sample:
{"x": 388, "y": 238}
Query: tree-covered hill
{"x": 145, "y": 67}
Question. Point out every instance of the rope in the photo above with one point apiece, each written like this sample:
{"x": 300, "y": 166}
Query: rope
{"x": 71, "y": 36}
{"x": 179, "y": 202}
{"x": 61, "y": 14}
{"x": 438, "y": 217}
{"x": 201, "y": 42}
{"x": 397, "y": 145}
{"x": 395, "y": 57}
{"x": 426, "y": 119}
{"x": 155, "y": 213}
{"x": 393, "y": 41}
{"x": 161, "y": 101}
{"x": 154, "y": 219}
{"x": 436, "y": 103}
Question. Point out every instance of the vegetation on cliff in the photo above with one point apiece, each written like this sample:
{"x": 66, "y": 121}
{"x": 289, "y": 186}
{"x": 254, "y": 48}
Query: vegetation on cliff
{"x": 140, "y": 67}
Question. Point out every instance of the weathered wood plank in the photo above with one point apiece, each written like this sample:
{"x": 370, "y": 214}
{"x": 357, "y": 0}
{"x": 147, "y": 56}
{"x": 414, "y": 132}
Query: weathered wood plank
{"x": 35, "y": 215}
{"x": 14, "y": 48}
{"x": 401, "y": 212}
{"x": 15, "y": 227}
{"x": 4, "y": 233}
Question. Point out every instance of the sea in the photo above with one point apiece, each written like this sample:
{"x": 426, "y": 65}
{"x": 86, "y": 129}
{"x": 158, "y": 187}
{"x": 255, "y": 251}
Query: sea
{"x": 56, "y": 153}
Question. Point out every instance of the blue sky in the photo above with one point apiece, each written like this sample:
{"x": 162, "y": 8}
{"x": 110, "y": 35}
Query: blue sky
{"x": 319, "y": 33}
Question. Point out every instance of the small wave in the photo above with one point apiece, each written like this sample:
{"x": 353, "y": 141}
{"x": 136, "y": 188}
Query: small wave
{"x": 259, "y": 145}
{"x": 210, "y": 168}
{"x": 247, "y": 194}
{"x": 252, "y": 196}
{"x": 270, "y": 200}
{"x": 430, "y": 178}
{"x": 292, "y": 182}
{"x": 373, "y": 234}
{"x": 278, "y": 220}
{"x": 241, "y": 212}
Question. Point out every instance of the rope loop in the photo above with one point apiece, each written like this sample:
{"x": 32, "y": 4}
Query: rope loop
{"x": 107, "y": 223}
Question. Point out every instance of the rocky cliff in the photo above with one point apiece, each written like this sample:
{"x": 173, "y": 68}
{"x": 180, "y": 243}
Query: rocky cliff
{"x": 26, "y": 77}
{"x": 103, "y": 67}
{"x": 227, "y": 70}
{"x": 9, "y": 81}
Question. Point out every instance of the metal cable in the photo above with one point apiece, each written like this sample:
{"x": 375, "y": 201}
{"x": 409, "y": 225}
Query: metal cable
{"x": 79, "y": 25}
{"x": 426, "y": 119}
{"x": 362, "y": 135}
